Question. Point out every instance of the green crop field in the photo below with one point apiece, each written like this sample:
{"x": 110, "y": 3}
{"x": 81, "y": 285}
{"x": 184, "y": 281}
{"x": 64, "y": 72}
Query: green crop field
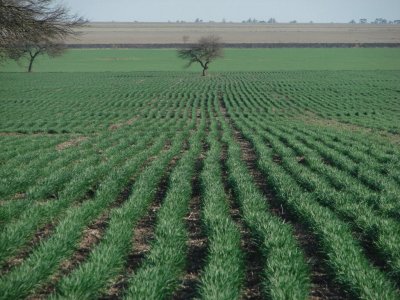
{"x": 286, "y": 59}
{"x": 275, "y": 177}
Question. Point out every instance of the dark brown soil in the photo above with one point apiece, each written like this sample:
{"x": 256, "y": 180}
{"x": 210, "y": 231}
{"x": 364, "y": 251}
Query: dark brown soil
{"x": 374, "y": 255}
{"x": 323, "y": 285}
{"x": 44, "y": 232}
{"x": 91, "y": 237}
{"x": 143, "y": 235}
{"x": 40, "y": 235}
{"x": 197, "y": 243}
{"x": 254, "y": 260}
{"x": 253, "y": 288}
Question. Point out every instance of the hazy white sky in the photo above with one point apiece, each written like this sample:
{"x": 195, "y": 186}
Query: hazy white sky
{"x": 235, "y": 10}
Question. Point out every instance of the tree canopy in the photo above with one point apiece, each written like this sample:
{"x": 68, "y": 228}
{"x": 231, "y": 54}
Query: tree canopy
{"x": 206, "y": 50}
{"x": 26, "y": 21}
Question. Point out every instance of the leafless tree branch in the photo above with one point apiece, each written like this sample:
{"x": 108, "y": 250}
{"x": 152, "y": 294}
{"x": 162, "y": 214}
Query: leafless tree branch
{"x": 24, "y": 21}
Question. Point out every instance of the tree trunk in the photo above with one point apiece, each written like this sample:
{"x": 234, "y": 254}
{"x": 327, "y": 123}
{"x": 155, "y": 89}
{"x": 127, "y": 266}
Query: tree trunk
{"x": 205, "y": 68}
{"x": 31, "y": 63}
{"x": 32, "y": 58}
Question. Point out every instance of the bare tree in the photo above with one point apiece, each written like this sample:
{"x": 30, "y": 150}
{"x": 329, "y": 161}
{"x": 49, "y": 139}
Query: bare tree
{"x": 38, "y": 20}
{"x": 204, "y": 52}
{"x": 33, "y": 48}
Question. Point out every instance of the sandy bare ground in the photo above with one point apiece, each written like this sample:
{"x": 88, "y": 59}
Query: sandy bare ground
{"x": 167, "y": 33}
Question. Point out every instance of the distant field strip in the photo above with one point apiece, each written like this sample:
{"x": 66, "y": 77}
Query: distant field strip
{"x": 114, "y": 33}
{"x": 168, "y": 185}
{"x": 235, "y": 59}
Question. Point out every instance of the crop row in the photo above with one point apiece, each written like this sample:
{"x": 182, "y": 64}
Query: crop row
{"x": 108, "y": 257}
{"x": 159, "y": 275}
{"x": 284, "y": 267}
{"x": 346, "y": 257}
{"x": 119, "y": 167}
{"x": 281, "y": 154}
{"x": 111, "y": 155}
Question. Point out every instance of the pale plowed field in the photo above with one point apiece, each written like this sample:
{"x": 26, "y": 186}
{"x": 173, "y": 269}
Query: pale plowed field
{"x": 166, "y": 33}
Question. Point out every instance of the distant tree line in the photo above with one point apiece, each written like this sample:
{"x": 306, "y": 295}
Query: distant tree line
{"x": 274, "y": 21}
{"x": 255, "y": 21}
{"x": 376, "y": 21}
